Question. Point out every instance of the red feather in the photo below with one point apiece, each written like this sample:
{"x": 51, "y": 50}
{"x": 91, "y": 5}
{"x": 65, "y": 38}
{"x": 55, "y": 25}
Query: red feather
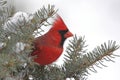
{"x": 49, "y": 46}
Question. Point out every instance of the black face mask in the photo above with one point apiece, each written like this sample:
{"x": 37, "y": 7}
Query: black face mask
{"x": 62, "y": 33}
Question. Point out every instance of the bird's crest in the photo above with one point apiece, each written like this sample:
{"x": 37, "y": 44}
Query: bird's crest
{"x": 59, "y": 24}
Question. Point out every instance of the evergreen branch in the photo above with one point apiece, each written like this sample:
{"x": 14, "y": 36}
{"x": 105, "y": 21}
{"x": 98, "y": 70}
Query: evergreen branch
{"x": 42, "y": 15}
{"x": 8, "y": 65}
{"x": 103, "y": 52}
{"x": 17, "y": 35}
{"x": 73, "y": 61}
{"x": 50, "y": 72}
{"x": 77, "y": 63}
{"x": 5, "y": 11}
{"x": 21, "y": 27}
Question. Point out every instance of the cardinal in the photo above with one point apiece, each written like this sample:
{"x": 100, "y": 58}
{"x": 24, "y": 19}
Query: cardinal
{"x": 49, "y": 46}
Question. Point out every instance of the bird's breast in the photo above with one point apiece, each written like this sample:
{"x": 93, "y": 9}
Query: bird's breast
{"x": 48, "y": 54}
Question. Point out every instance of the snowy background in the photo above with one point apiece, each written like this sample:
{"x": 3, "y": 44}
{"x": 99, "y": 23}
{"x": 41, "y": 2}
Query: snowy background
{"x": 98, "y": 20}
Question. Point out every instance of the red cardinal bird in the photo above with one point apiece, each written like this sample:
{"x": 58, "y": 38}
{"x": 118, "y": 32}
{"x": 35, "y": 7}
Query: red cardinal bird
{"x": 49, "y": 46}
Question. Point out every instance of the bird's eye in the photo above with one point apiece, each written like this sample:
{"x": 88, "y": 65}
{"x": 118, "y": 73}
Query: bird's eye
{"x": 62, "y": 32}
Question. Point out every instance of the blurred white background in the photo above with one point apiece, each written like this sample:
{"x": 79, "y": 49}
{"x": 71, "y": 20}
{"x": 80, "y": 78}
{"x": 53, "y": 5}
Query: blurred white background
{"x": 98, "y": 20}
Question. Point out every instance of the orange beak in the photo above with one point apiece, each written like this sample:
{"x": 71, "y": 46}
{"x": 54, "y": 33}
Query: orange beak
{"x": 68, "y": 34}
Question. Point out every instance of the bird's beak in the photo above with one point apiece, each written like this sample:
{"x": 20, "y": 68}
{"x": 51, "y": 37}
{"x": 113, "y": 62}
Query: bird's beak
{"x": 68, "y": 34}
